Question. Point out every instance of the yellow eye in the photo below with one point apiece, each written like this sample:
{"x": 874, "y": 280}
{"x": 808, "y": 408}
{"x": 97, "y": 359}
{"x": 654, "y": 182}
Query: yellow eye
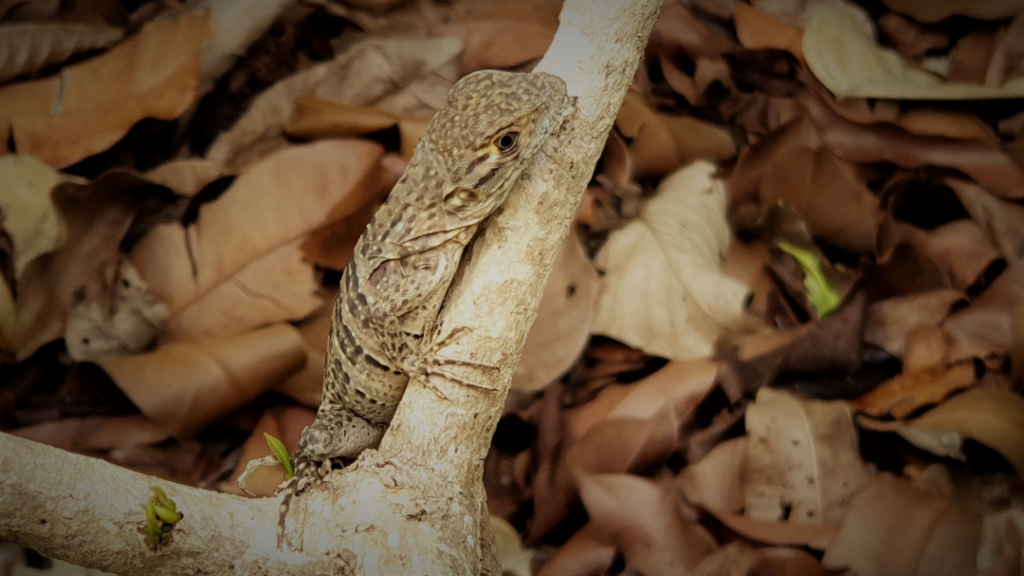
{"x": 507, "y": 142}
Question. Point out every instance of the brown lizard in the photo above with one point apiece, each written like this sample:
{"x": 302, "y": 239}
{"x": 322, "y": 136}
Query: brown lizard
{"x": 463, "y": 168}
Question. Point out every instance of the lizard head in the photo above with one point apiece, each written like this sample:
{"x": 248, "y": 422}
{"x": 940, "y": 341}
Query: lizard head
{"x": 493, "y": 124}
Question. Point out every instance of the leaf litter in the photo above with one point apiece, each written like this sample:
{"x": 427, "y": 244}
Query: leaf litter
{"x": 785, "y": 336}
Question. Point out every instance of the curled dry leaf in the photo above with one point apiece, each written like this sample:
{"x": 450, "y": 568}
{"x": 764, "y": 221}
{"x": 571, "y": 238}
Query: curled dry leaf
{"x": 884, "y": 142}
{"x": 239, "y": 265}
{"x": 584, "y": 554}
{"x": 306, "y": 386}
{"x": 758, "y": 31}
{"x": 316, "y": 118}
{"x": 95, "y": 433}
{"x": 186, "y": 177}
{"x": 661, "y": 142}
{"x": 564, "y": 317}
{"x": 664, "y": 290}
{"x": 29, "y": 217}
{"x": 124, "y": 325}
{"x": 985, "y": 328}
{"x": 991, "y": 417}
{"x": 738, "y": 558}
{"x": 960, "y": 249}
{"x": 802, "y": 459}
{"x": 642, "y": 520}
{"x": 1003, "y": 221}
{"x": 515, "y": 560}
{"x": 910, "y": 38}
{"x": 30, "y": 46}
{"x": 913, "y": 389}
{"x": 715, "y": 482}
{"x": 888, "y": 321}
{"x": 96, "y": 217}
{"x": 1000, "y": 551}
{"x": 284, "y": 424}
{"x": 408, "y": 76}
{"x": 184, "y": 387}
{"x": 500, "y": 42}
{"x": 893, "y": 528}
{"x": 790, "y": 166}
{"x": 936, "y": 10}
{"x": 850, "y": 64}
{"x": 91, "y": 105}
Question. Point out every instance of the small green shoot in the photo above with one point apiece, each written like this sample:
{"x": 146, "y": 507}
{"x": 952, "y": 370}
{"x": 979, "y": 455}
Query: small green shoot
{"x": 161, "y": 516}
{"x": 820, "y": 293}
{"x": 281, "y": 453}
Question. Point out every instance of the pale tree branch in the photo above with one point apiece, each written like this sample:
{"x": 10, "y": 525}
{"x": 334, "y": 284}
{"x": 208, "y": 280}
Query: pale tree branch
{"x": 417, "y": 504}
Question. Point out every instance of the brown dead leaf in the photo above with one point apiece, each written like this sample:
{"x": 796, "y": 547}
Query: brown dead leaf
{"x": 664, "y": 290}
{"x": 740, "y": 559}
{"x": 316, "y": 118}
{"x": 715, "y": 482}
{"x": 564, "y": 317}
{"x": 936, "y": 10}
{"x": 186, "y": 177}
{"x": 679, "y": 385}
{"x": 991, "y": 417}
{"x": 910, "y": 38}
{"x": 286, "y": 425}
{"x": 948, "y": 123}
{"x": 30, "y": 46}
{"x": 661, "y": 143}
{"x": 96, "y": 217}
{"x": 1007, "y": 63}
{"x": 306, "y": 386}
{"x": 888, "y": 321}
{"x": 908, "y": 392}
{"x": 1003, "y": 221}
{"x": 1000, "y": 550}
{"x": 499, "y": 43}
{"x": 239, "y": 265}
{"x": 331, "y": 245}
{"x": 641, "y": 519}
{"x": 29, "y": 217}
{"x": 985, "y": 327}
{"x": 407, "y": 76}
{"x": 611, "y": 446}
{"x": 91, "y": 105}
{"x": 584, "y": 554}
{"x": 783, "y": 533}
{"x": 802, "y": 459}
{"x": 184, "y": 387}
{"x": 894, "y": 529}
{"x": 969, "y": 59}
{"x": 959, "y": 249}
{"x": 883, "y": 142}
{"x": 758, "y": 31}
{"x": 95, "y": 433}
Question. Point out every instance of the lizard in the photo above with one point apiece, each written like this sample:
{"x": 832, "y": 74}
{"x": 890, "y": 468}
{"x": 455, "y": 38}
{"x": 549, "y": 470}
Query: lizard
{"x": 474, "y": 150}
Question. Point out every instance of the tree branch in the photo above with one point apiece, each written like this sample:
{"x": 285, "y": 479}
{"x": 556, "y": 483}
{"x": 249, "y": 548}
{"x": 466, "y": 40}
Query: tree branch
{"x": 417, "y": 504}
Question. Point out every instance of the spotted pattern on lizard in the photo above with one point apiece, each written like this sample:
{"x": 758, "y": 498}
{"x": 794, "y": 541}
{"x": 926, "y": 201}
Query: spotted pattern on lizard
{"x": 463, "y": 168}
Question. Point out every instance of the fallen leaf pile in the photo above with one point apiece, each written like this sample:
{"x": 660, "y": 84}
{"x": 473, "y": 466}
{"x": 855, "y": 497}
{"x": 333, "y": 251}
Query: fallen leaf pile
{"x": 786, "y": 335}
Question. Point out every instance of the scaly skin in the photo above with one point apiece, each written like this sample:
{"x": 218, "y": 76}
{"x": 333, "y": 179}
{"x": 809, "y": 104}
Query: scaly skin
{"x": 474, "y": 150}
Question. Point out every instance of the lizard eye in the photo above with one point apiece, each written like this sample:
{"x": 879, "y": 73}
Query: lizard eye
{"x": 507, "y": 143}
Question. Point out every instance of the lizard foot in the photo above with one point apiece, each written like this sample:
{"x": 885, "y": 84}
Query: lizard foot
{"x": 307, "y": 473}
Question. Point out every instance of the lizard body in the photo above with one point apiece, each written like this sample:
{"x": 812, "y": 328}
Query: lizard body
{"x": 463, "y": 168}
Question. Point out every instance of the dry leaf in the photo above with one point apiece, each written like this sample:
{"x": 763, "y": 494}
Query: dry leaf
{"x": 715, "y": 482}
{"x": 661, "y": 143}
{"x": 408, "y": 76}
{"x": 786, "y": 533}
{"x": 96, "y": 217}
{"x": 740, "y": 559}
{"x": 936, "y": 10}
{"x": 985, "y": 328}
{"x": 239, "y": 265}
{"x": 96, "y": 433}
{"x": 29, "y": 217}
{"x": 91, "y": 105}
{"x": 514, "y": 559}
{"x": 988, "y": 416}
{"x": 641, "y": 519}
{"x": 564, "y": 317}
{"x": 909, "y": 37}
{"x": 758, "y": 31}
{"x": 186, "y": 177}
{"x": 664, "y": 290}
{"x": 307, "y": 385}
{"x": 27, "y": 47}
{"x": 908, "y": 392}
{"x": 184, "y": 387}
{"x": 284, "y": 424}
{"x": 1000, "y": 548}
{"x": 1003, "y": 221}
{"x": 584, "y": 554}
{"x": 893, "y": 529}
{"x": 851, "y": 65}
{"x": 802, "y": 460}
{"x": 888, "y": 321}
